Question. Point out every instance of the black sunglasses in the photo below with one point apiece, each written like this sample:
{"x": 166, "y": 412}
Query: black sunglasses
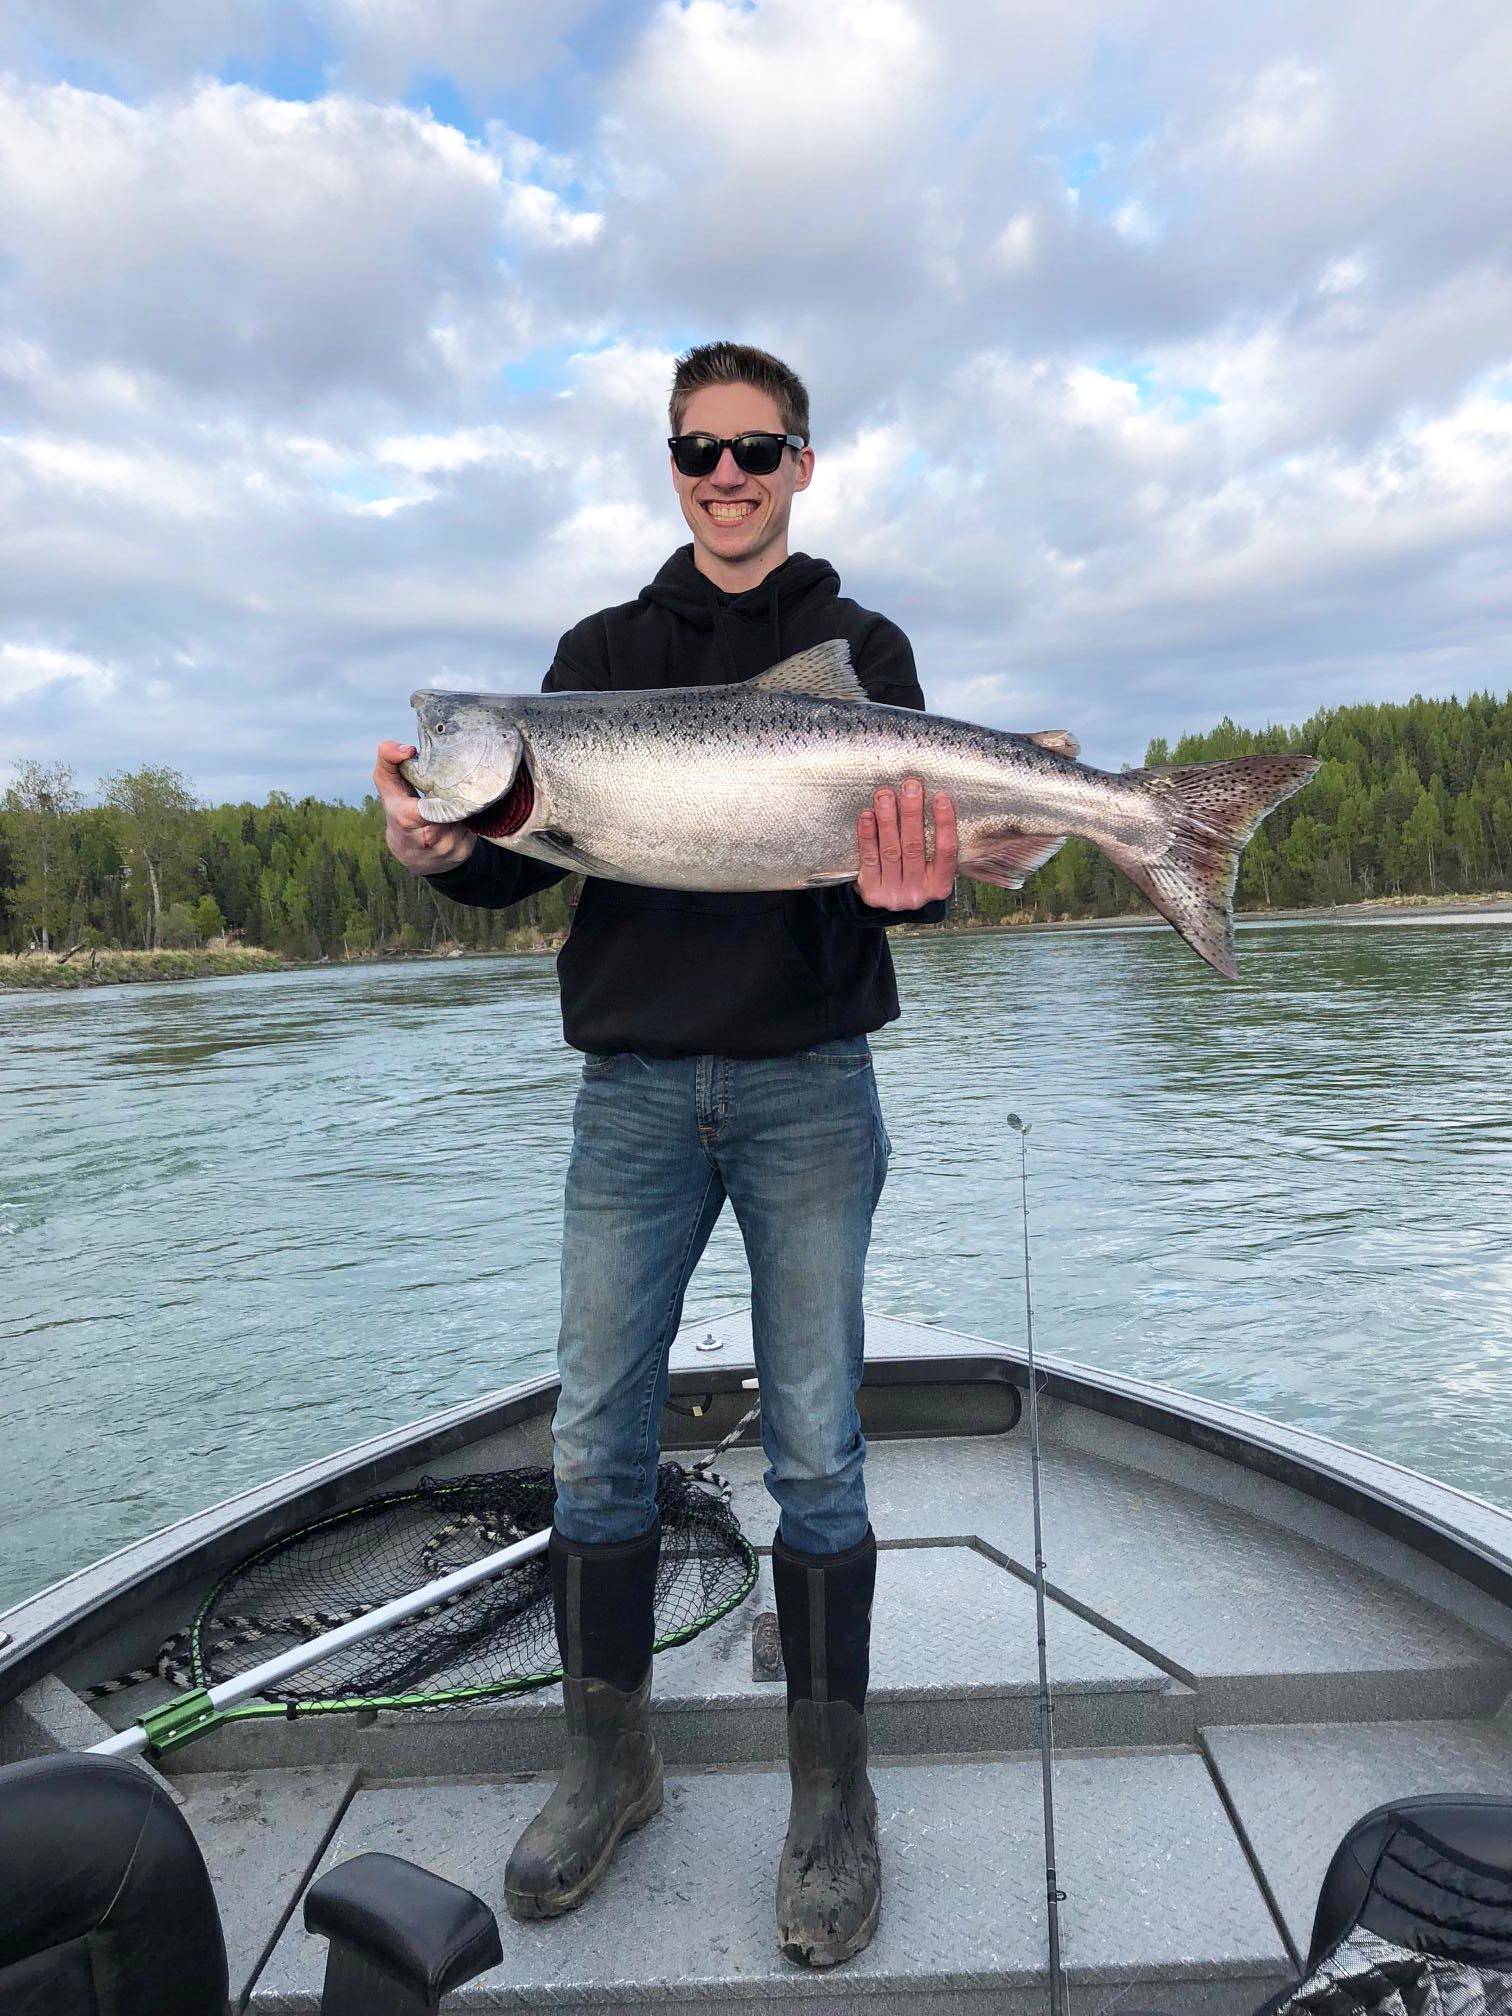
{"x": 756, "y": 454}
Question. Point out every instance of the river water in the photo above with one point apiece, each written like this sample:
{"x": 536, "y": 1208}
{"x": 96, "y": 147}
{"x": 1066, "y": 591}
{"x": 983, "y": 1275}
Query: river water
{"x": 246, "y": 1222}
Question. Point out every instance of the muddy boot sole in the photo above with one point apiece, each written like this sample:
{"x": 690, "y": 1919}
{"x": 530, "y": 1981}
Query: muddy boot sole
{"x": 818, "y": 1957}
{"x": 530, "y": 1906}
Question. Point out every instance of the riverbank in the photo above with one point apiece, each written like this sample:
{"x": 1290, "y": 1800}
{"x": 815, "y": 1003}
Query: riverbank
{"x": 34, "y": 970}
{"x": 1496, "y": 903}
{"x": 28, "y": 971}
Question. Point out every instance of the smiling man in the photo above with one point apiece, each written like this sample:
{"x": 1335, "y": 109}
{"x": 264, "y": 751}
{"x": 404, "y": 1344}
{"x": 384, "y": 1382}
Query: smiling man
{"x": 725, "y": 1056}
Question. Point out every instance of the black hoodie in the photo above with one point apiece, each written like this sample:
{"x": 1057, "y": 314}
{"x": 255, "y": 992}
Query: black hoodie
{"x": 677, "y": 972}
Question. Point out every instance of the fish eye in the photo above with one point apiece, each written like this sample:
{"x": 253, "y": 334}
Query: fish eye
{"x": 440, "y": 728}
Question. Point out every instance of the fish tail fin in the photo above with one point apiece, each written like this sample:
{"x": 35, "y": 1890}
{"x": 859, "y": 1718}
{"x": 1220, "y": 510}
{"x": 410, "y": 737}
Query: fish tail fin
{"x": 1212, "y": 810}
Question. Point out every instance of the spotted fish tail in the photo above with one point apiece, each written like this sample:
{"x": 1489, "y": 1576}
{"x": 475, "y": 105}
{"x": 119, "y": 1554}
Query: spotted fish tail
{"x": 1212, "y": 810}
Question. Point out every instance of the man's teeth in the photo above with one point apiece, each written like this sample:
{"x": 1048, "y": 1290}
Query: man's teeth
{"x": 730, "y": 514}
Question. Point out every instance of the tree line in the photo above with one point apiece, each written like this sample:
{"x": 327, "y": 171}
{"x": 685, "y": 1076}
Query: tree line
{"x": 1411, "y": 799}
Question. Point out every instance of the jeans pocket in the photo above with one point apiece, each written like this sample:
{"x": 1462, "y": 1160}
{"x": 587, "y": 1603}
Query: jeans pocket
{"x": 884, "y": 1139}
{"x": 847, "y": 1054}
{"x": 599, "y": 1063}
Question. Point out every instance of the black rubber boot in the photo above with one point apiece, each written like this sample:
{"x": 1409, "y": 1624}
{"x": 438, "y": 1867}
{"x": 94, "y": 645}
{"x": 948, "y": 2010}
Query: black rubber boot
{"x": 611, "y": 1782}
{"x": 829, "y": 1882}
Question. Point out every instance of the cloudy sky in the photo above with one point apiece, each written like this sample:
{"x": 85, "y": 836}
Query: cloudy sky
{"x": 1161, "y": 356}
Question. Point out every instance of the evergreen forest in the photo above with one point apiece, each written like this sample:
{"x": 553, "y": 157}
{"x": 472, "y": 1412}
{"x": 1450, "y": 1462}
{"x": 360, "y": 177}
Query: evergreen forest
{"x": 1413, "y": 799}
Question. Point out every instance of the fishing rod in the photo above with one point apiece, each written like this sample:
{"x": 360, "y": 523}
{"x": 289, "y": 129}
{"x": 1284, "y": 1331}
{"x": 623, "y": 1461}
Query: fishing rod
{"x": 1054, "y": 1895}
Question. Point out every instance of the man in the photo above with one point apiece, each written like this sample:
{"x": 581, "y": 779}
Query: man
{"x": 726, "y": 1055}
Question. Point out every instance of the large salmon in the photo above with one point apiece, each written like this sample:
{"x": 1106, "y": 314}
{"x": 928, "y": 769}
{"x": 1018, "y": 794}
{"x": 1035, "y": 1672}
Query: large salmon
{"x": 757, "y": 786}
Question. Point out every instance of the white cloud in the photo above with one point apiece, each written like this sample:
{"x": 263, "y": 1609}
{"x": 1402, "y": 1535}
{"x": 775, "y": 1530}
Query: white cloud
{"x": 151, "y": 480}
{"x": 1344, "y": 274}
{"x": 461, "y": 448}
{"x": 536, "y": 216}
{"x": 1136, "y": 223}
{"x": 778, "y": 133}
{"x": 636, "y": 377}
{"x": 1280, "y": 115}
{"x": 244, "y": 245}
{"x": 28, "y": 668}
{"x": 305, "y": 403}
{"x": 1017, "y": 244}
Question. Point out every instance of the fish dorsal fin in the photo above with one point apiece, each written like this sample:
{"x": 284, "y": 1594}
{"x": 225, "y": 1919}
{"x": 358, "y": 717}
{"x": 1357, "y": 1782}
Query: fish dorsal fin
{"x": 1059, "y": 741}
{"x": 824, "y": 673}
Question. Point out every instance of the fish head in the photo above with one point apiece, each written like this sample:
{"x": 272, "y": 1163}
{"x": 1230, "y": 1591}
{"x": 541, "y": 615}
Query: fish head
{"x": 469, "y": 764}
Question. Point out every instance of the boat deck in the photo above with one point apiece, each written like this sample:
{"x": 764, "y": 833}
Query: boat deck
{"x": 1240, "y": 1669}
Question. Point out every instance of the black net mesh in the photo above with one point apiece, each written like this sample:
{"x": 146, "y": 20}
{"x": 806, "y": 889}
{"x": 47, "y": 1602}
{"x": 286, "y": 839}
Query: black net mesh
{"x": 495, "y": 1638}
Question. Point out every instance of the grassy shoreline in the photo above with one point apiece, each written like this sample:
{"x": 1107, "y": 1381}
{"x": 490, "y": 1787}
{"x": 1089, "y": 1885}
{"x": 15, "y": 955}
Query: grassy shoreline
{"x": 27, "y": 971}
{"x": 1495, "y": 903}
{"x": 33, "y": 971}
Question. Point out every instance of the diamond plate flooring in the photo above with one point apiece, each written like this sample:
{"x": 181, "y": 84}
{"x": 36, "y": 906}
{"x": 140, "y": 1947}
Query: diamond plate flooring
{"x": 1264, "y": 1621}
{"x": 685, "y": 1914}
{"x": 261, "y": 1832}
{"x": 946, "y": 1620}
{"x": 1298, "y": 1791}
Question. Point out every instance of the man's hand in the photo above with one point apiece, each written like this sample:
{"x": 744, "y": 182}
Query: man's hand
{"x": 896, "y": 874}
{"x": 422, "y": 848}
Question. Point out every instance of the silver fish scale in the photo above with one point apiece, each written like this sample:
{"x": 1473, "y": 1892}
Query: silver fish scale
{"x": 725, "y": 788}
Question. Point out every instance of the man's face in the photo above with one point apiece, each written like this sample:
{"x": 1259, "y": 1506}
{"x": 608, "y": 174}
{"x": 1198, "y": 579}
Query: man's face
{"x": 733, "y": 516}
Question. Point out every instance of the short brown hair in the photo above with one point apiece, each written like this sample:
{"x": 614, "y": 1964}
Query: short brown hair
{"x": 739, "y": 364}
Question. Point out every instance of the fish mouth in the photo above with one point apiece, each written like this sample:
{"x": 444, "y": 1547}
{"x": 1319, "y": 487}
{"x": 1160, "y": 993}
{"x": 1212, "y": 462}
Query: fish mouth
{"x": 508, "y": 814}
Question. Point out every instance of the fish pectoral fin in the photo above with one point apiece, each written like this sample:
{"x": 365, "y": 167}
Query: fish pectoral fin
{"x": 1006, "y": 858}
{"x": 824, "y": 673}
{"x": 561, "y": 850}
{"x": 1059, "y": 741}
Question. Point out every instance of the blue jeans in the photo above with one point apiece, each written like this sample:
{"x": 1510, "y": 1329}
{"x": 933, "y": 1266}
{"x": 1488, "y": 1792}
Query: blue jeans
{"x": 798, "y": 1146}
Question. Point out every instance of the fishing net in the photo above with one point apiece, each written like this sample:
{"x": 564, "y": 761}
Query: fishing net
{"x": 496, "y": 1638}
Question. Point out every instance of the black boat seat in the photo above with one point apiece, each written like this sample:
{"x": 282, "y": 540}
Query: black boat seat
{"x": 400, "y": 1937}
{"x": 1432, "y": 1874}
{"x": 106, "y": 1909}
{"x": 105, "y": 1902}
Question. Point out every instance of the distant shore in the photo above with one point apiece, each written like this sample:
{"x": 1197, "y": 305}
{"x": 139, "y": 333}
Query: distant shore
{"x": 24, "y": 973}
{"x": 30, "y": 972}
{"x": 1498, "y": 904}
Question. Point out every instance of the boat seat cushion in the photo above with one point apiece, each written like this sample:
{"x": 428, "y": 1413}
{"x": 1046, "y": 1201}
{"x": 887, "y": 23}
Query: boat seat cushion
{"x": 413, "y": 1926}
{"x": 106, "y": 1907}
{"x": 1432, "y": 1874}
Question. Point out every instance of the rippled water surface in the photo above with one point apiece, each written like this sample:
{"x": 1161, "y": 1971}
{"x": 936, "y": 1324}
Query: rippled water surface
{"x": 246, "y": 1222}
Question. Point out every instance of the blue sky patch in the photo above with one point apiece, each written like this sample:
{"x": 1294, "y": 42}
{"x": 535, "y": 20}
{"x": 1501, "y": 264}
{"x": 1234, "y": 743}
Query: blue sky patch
{"x": 298, "y": 67}
{"x": 1188, "y": 401}
{"x": 440, "y": 97}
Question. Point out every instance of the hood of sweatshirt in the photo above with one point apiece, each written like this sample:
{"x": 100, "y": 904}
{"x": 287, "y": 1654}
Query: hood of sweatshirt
{"x": 750, "y": 627}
